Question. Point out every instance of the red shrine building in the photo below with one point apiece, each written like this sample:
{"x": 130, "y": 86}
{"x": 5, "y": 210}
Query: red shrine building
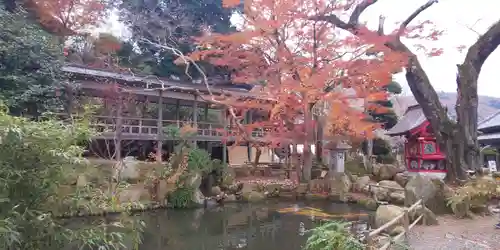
{"x": 422, "y": 154}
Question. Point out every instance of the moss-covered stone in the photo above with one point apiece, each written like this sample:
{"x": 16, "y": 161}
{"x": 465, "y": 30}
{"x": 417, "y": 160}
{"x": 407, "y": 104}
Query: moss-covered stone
{"x": 253, "y": 196}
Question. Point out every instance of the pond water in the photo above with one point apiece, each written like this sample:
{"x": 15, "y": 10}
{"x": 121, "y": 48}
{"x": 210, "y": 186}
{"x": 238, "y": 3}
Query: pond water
{"x": 267, "y": 226}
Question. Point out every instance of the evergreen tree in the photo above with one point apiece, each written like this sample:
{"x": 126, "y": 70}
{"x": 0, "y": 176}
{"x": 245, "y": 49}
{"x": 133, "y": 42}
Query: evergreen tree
{"x": 172, "y": 23}
{"x": 29, "y": 65}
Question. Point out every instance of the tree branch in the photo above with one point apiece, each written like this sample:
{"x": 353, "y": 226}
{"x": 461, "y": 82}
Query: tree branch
{"x": 358, "y": 10}
{"x": 483, "y": 47}
{"x": 410, "y": 18}
{"x": 381, "y": 23}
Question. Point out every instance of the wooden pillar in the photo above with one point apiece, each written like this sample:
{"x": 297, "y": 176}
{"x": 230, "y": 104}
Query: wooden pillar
{"x": 206, "y": 113}
{"x": 159, "y": 135}
{"x": 69, "y": 101}
{"x": 249, "y": 147}
{"x": 119, "y": 128}
{"x": 224, "y": 145}
{"x": 178, "y": 112}
{"x": 195, "y": 119}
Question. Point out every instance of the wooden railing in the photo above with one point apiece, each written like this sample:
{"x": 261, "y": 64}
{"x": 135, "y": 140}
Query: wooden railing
{"x": 148, "y": 126}
{"x": 405, "y": 217}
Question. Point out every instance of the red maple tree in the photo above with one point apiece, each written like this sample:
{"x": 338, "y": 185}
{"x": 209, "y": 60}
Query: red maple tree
{"x": 306, "y": 71}
{"x": 67, "y": 17}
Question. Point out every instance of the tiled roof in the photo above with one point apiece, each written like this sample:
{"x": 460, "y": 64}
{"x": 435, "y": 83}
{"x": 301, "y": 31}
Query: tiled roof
{"x": 485, "y": 138}
{"x": 490, "y": 122}
{"x": 413, "y": 117}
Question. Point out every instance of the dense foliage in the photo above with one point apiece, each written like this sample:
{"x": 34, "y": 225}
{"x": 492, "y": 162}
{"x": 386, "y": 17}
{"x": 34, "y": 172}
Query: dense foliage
{"x": 36, "y": 159}
{"x": 173, "y": 24}
{"x": 333, "y": 235}
{"x": 387, "y": 117}
{"x": 29, "y": 65}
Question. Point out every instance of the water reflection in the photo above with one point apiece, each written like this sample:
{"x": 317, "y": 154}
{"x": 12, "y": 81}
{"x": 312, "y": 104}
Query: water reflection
{"x": 237, "y": 226}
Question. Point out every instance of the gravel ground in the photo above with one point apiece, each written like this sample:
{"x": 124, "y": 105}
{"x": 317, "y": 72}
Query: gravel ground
{"x": 454, "y": 234}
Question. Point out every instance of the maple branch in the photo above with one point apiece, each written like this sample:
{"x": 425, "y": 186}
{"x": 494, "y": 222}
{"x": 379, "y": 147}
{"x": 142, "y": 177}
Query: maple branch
{"x": 413, "y": 15}
{"x": 358, "y": 10}
{"x": 381, "y": 23}
{"x": 189, "y": 61}
{"x": 353, "y": 23}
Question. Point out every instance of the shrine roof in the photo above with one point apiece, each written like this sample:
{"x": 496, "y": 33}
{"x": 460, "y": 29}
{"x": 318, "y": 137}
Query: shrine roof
{"x": 490, "y": 123}
{"x": 491, "y": 138}
{"x": 413, "y": 117}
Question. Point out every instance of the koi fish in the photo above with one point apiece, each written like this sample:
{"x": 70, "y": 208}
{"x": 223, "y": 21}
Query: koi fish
{"x": 314, "y": 212}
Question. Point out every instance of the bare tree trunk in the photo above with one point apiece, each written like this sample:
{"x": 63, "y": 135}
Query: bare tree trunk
{"x": 307, "y": 154}
{"x": 444, "y": 129}
{"x": 367, "y": 157}
{"x": 319, "y": 139}
{"x": 467, "y": 99}
{"x": 258, "y": 153}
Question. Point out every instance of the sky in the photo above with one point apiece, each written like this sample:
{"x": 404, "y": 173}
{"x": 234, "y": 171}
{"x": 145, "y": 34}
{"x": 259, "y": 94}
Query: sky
{"x": 456, "y": 18}
{"x": 461, "y": 21}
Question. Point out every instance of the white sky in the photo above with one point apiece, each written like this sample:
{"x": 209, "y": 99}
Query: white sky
{"x": 452, "y": 16}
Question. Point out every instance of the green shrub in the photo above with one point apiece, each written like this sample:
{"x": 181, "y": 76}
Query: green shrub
{"x": 333, "y": 235}
{"x": 181, "y": 197}
{"x": 35, "y": 161}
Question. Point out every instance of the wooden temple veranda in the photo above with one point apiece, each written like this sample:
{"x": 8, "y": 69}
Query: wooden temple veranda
{"x": 121, "y": 126}
{"x": 489, "y": 137}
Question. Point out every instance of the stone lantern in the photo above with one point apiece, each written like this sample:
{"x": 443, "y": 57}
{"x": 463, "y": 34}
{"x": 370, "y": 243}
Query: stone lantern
{"x": 336, "y": 156}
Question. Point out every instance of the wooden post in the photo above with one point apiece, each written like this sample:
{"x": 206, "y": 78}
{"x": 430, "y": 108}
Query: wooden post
{"x": 422, "y": 212}
{"x": 369, "y": 241}
{"x": 195, "y": 119}
{"x": 159, "y": 139}
{"x": 118, "y": 128}
{"x": 69, "y": 101}
{"x": 224, "y": 146}
{"x": 205, "y": 119}
{"x": 406, "y": 223}
{"x": 177, "y": 112}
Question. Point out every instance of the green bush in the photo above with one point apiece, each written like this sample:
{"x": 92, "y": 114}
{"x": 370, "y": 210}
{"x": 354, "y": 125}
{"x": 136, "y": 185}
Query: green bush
{"x": 181, "y": 197}
{"x": 333, "y": 235}
{"x": 35, "y": 160}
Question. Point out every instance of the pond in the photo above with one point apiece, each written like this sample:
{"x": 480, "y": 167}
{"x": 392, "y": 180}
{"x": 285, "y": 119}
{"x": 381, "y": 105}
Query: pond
{"x": 272, "y": 225}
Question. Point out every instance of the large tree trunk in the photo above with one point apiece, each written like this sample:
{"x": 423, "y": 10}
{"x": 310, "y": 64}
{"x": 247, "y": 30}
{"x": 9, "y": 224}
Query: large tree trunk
{"x": 319, "y": 139}
{"x": 467, "y": 99}
{"x": 307, "y": 157}
{"x": 444, "y": 129}
{"x": 458, "y": 139}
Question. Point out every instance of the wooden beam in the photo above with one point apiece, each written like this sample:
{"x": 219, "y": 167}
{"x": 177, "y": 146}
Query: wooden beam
{"x": 195, "y": 118}
{"x": 118, "y": 131}
{"x": 159, "y": 141}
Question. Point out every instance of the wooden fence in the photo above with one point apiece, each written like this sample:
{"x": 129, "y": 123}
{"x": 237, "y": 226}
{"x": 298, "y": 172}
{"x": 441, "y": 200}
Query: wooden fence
{"x": 404, "y": 217}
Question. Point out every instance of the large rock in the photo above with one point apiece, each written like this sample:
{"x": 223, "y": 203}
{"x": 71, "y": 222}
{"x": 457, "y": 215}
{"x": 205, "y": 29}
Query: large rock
{"x": 340, "y": 185}
{"x": 198, "y": 198}
{"x": 429, "y": 217}
{"x": 402, "y": 178}
{"x": 81, "y": 181}
{"x": 386, "y": 171}
{"x": 250, "y": 186}
{"x": 386, "y": 213}
{"x": 361, "y": 183}
{"x": 253, "y": 196}
{"x": 128, "y": 169}
{"x": 194, "y": 181}
{"x": 393, "y": 192}
{"x": 133, "y": 193}
{"x": 434, "y": 193}
{"x": 215, "y": 191}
